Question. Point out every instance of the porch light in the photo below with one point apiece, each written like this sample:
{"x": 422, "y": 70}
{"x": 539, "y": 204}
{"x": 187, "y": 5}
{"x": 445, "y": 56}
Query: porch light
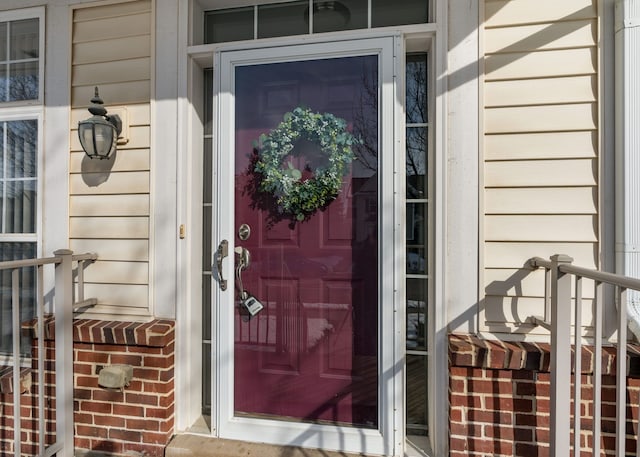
{"x": 99, "y": 134}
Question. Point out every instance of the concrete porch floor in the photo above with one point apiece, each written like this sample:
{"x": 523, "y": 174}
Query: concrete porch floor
{"x": 187, "y": 445}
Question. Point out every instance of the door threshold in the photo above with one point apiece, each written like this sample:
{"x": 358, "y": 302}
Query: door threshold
{"x": 187, "y": 445}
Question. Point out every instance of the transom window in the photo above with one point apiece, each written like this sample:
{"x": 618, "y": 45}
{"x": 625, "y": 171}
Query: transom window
{"x": 309, "y": 16}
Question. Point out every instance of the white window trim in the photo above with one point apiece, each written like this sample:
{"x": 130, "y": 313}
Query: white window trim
{"x": 30, "y": 13}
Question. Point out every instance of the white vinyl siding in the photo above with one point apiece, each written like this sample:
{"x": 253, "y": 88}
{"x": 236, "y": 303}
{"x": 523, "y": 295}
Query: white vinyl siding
{"x": 109, "y": 201}
{"x": 540, "y": 149}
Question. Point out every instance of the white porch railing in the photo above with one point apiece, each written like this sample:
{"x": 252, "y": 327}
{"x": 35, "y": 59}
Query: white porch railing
{"x": 63, "y": 313}
{"x": 558, "y": 319}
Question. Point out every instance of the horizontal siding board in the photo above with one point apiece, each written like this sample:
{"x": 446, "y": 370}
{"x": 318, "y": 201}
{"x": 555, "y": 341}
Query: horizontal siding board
{"x": 109, "y": 205}
{"x": 125, "y": 160}
{"x": 543, "y": 145}
{"x": 109, "y": 249}
{"x": 576, "y": 89}
{"x": 114, "y": 27}
{"x": 500, "y": 310}
{"x": 114, "y": 10}
{"x": 109, "y": 227}
{"x": 516, "y": 254}
{"x": 524, "y": 283}
{"x": 536, "y": 173}
{"x": 577, "y": 228}
{"x": 541, "y": 200}
{"x": 541, "y": 64}
{"x": 139, "y": 138}
{"x": 545, "y": 118}
{"x": 514, "y": 282}
{"x": 136, "y": 295}
{"x": 135, "y": 182}
{"x": 137, "y": 115}
{"x": 539, "y": 37}
{"x": 108, "y": 272}
{"x": 511, "y": 12}
{"x": 118, "y": 71}
{"x": 111, "y": 50}
{"x": 114, "y": 94}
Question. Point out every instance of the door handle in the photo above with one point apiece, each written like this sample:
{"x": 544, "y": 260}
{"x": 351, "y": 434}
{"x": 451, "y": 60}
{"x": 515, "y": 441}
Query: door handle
{"x": 244, "y": 257}
{"x": 221, "y": 253}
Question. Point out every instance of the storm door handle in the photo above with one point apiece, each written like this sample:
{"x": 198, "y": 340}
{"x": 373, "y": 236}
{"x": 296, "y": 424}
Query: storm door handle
{"x": 221, "y": 253}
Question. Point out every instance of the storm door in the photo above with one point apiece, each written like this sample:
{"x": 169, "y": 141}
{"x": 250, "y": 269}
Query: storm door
{"x": 305, "y": 322}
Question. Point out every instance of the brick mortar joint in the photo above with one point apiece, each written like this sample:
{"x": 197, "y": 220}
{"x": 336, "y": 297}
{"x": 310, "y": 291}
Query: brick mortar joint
{"x": 472, "y": 351}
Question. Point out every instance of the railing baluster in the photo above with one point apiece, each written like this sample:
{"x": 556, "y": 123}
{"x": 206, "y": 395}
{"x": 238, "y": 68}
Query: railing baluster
{"x": 15, "y": 317}
{"x": 577, "y": 383}
{"x": 621, "y": 372}
{"x": 41, "y": 356}
{"x": 597, "y": 366}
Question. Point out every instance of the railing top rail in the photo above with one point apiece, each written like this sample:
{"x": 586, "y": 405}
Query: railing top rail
{"x": 600, "y": 276}
{"x": 87, "y": 256}
{"x": 12, "y": 264}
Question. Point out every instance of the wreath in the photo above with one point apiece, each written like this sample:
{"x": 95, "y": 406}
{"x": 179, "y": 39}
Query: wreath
{"x": 295, "y": 196}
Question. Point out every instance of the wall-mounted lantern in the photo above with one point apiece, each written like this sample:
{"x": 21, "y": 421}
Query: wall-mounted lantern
{"x": 99, "y": 134}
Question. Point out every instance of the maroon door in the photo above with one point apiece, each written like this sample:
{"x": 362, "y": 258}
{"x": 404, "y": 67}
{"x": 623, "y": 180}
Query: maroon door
{"x": 311, "y": 354}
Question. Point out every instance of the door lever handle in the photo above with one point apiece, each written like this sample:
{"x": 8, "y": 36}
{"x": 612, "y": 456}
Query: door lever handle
{"x": 221, "y": 253}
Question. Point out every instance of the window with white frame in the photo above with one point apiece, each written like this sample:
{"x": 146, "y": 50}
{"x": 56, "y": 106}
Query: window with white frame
{"x": 21, "y": 49}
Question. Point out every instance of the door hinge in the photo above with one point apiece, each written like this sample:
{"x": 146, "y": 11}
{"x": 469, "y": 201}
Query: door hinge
{"x": 182, "y": 231}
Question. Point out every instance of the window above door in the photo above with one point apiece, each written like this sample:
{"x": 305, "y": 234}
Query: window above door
{"x": 242, "y": 20}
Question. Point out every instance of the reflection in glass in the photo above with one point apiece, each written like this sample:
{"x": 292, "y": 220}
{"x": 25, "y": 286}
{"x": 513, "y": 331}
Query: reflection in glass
{"x": 207, "y": 163}
{"x": 3, "y": 82}
{"x": 208, "y": 105}
{"x": 416, "y": 313}
{"x": 206, "y": 310}
{"x": 392, "y": 12}
{"x": 206, "y": 378}
{"x": 21, "y": 148}
{"x": 332, "y": 16}
{"x": 284, "y": 19}
{"x": 207, "y": 254}
{"x": 228, "y": 25}
{"x": 24, "y": 39}
{"x": 416, "y": 223}
{"x": 23, "y": 81}
{"x": 314, "y": 346}
{"x": 416, "y": 88}
{"x": 27, "y": 281}
{"x": 416, "y": 260}
{"x": 417, "y": 399}
{"x": 417, "y": 163}
{"x": 20, "y": 203}
{"x": 3, "y": 41}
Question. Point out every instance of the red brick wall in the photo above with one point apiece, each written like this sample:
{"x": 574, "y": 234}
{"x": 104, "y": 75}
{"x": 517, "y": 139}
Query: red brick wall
{"x": 499, "y": 396}
{"x": 138, "y": 419}
{"x": 29, "y": 408}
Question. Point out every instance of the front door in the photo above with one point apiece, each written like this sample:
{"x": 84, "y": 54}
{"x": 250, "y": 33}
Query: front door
{"x": 306, "y": 321}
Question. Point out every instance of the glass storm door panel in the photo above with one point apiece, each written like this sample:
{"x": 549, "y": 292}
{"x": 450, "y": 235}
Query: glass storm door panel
{"x": 301, "y": 324}
{"x": 313, "y": 347}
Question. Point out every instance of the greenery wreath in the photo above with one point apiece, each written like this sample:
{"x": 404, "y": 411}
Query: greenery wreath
{"x": 295, "y": 196}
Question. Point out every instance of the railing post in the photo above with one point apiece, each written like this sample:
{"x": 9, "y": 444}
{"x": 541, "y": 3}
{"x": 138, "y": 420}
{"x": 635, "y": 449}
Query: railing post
{"x": 64, "y": 351}
{"x": 560, "y": 357}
